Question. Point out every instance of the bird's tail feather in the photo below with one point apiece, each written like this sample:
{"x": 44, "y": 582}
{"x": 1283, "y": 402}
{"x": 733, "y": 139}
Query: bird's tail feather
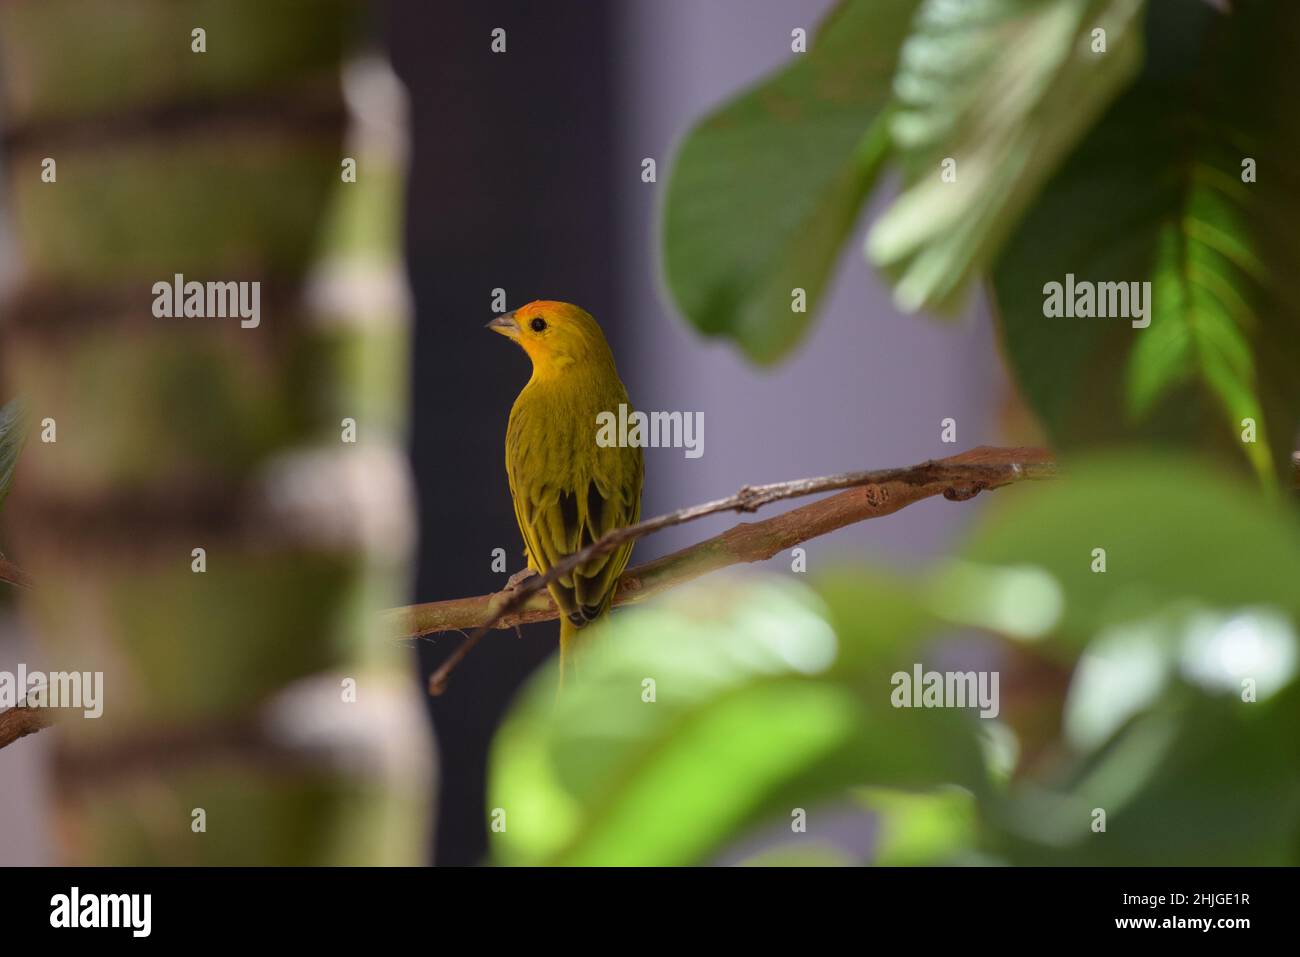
{"x": 574, "y": 640}
{"x": 568, "y": 647}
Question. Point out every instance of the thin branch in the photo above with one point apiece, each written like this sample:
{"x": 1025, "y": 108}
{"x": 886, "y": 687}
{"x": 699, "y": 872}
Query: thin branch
{"x": 870, "y": 494}
{"x": 21, "y": 721}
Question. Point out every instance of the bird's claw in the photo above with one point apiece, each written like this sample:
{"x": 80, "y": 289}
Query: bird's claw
{"x": 519, "y": 577}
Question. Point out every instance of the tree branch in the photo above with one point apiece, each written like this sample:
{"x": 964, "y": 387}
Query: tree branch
{"x": 869, "y": 495}
{"x": 21, "y": 721}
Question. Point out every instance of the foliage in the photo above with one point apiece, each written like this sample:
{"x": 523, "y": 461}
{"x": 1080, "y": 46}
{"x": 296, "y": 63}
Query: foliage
{"x": 1140, "y": 612}
{"x": 1155, "y": 191}
{"x": 1126, "y": 164}
{"x": 765, "y": 189}
{"x": 1005, "y": 89}
{"x": 770, "y": 697}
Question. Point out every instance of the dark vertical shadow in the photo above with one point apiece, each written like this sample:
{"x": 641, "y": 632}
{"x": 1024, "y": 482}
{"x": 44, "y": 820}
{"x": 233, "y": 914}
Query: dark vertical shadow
{"x": 510, "y": 186}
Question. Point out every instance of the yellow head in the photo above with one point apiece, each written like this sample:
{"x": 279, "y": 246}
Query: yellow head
{"x": 555, "y": 335}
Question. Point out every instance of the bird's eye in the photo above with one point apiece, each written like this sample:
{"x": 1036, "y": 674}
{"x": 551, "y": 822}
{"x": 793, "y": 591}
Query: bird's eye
{"x": 538, "y": 324}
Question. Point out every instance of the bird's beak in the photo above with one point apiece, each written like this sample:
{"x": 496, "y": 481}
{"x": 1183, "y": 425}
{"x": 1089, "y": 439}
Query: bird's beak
{"x": 506, "y": 325}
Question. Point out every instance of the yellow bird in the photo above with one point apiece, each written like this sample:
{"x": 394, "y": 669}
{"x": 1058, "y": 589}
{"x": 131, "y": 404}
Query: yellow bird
{"x": 568, "y": 490}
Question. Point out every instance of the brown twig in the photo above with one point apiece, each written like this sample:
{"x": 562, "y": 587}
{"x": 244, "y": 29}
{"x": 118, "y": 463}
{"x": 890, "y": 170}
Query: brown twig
{"x": 869, "y": 494}
{"x": 21, "y": 721}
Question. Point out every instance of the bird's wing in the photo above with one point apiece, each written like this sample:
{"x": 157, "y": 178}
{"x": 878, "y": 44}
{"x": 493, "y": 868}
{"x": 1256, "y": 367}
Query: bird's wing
{"x": 613, "y": 500}
{"x": 564, "y": 500}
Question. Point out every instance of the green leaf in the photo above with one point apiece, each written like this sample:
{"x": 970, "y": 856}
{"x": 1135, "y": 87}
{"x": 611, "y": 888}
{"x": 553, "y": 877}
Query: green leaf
{"x": 1156, "y": 194}
{"x": 1174, "y": 530}
{"x": 1195, "y": 780}
{"x": 1128, "y": 668}
{"x": 1003, "y": 89}
{"x": 13, "y": 432}
{"x": 757, "y": 709}
{"x": 765, "y": 190}
{"x": 921, "y": 829}
{"x": 1197, "y": 599}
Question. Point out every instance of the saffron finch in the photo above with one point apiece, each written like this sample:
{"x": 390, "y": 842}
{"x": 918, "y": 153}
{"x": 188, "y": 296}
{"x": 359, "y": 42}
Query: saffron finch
{"x": 568, "y": 491}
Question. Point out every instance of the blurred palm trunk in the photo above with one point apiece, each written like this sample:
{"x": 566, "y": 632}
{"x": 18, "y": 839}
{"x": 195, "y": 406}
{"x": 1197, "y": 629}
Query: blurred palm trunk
{"x": 228, "y": 693}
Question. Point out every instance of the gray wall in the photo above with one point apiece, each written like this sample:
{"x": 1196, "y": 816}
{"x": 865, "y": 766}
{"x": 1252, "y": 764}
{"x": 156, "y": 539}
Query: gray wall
{"x": 868, "y": 388}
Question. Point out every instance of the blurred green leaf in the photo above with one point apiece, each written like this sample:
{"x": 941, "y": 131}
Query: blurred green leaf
{"x": 1178, "y": 723}
{"x": 1005, "y": 88}
{"x": 756, "y": 712}
{"x": 1122, "y": 673}
{"x": 1196, "y": 780}
{"x": 1128, "y": 668}
{"x": 921, "y": 828}
{"x": 765, "y": 190}
{"x": 13, "y": 432}
{"x": 1197, "y": 602}
{"x": 1156, "y": 193}
{"x": 1174, "y": 531}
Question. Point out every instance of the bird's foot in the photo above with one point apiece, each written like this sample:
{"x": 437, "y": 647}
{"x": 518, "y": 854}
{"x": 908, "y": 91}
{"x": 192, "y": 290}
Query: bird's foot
{"x": 519, "y": 577}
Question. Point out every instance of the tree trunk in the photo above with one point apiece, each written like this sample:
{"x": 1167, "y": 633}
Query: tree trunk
{"x": 252, "y": 712}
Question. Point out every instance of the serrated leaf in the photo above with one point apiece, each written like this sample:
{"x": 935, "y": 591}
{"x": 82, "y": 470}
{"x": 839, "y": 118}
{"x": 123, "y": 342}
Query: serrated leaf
{"x": 1156, "y": 194}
